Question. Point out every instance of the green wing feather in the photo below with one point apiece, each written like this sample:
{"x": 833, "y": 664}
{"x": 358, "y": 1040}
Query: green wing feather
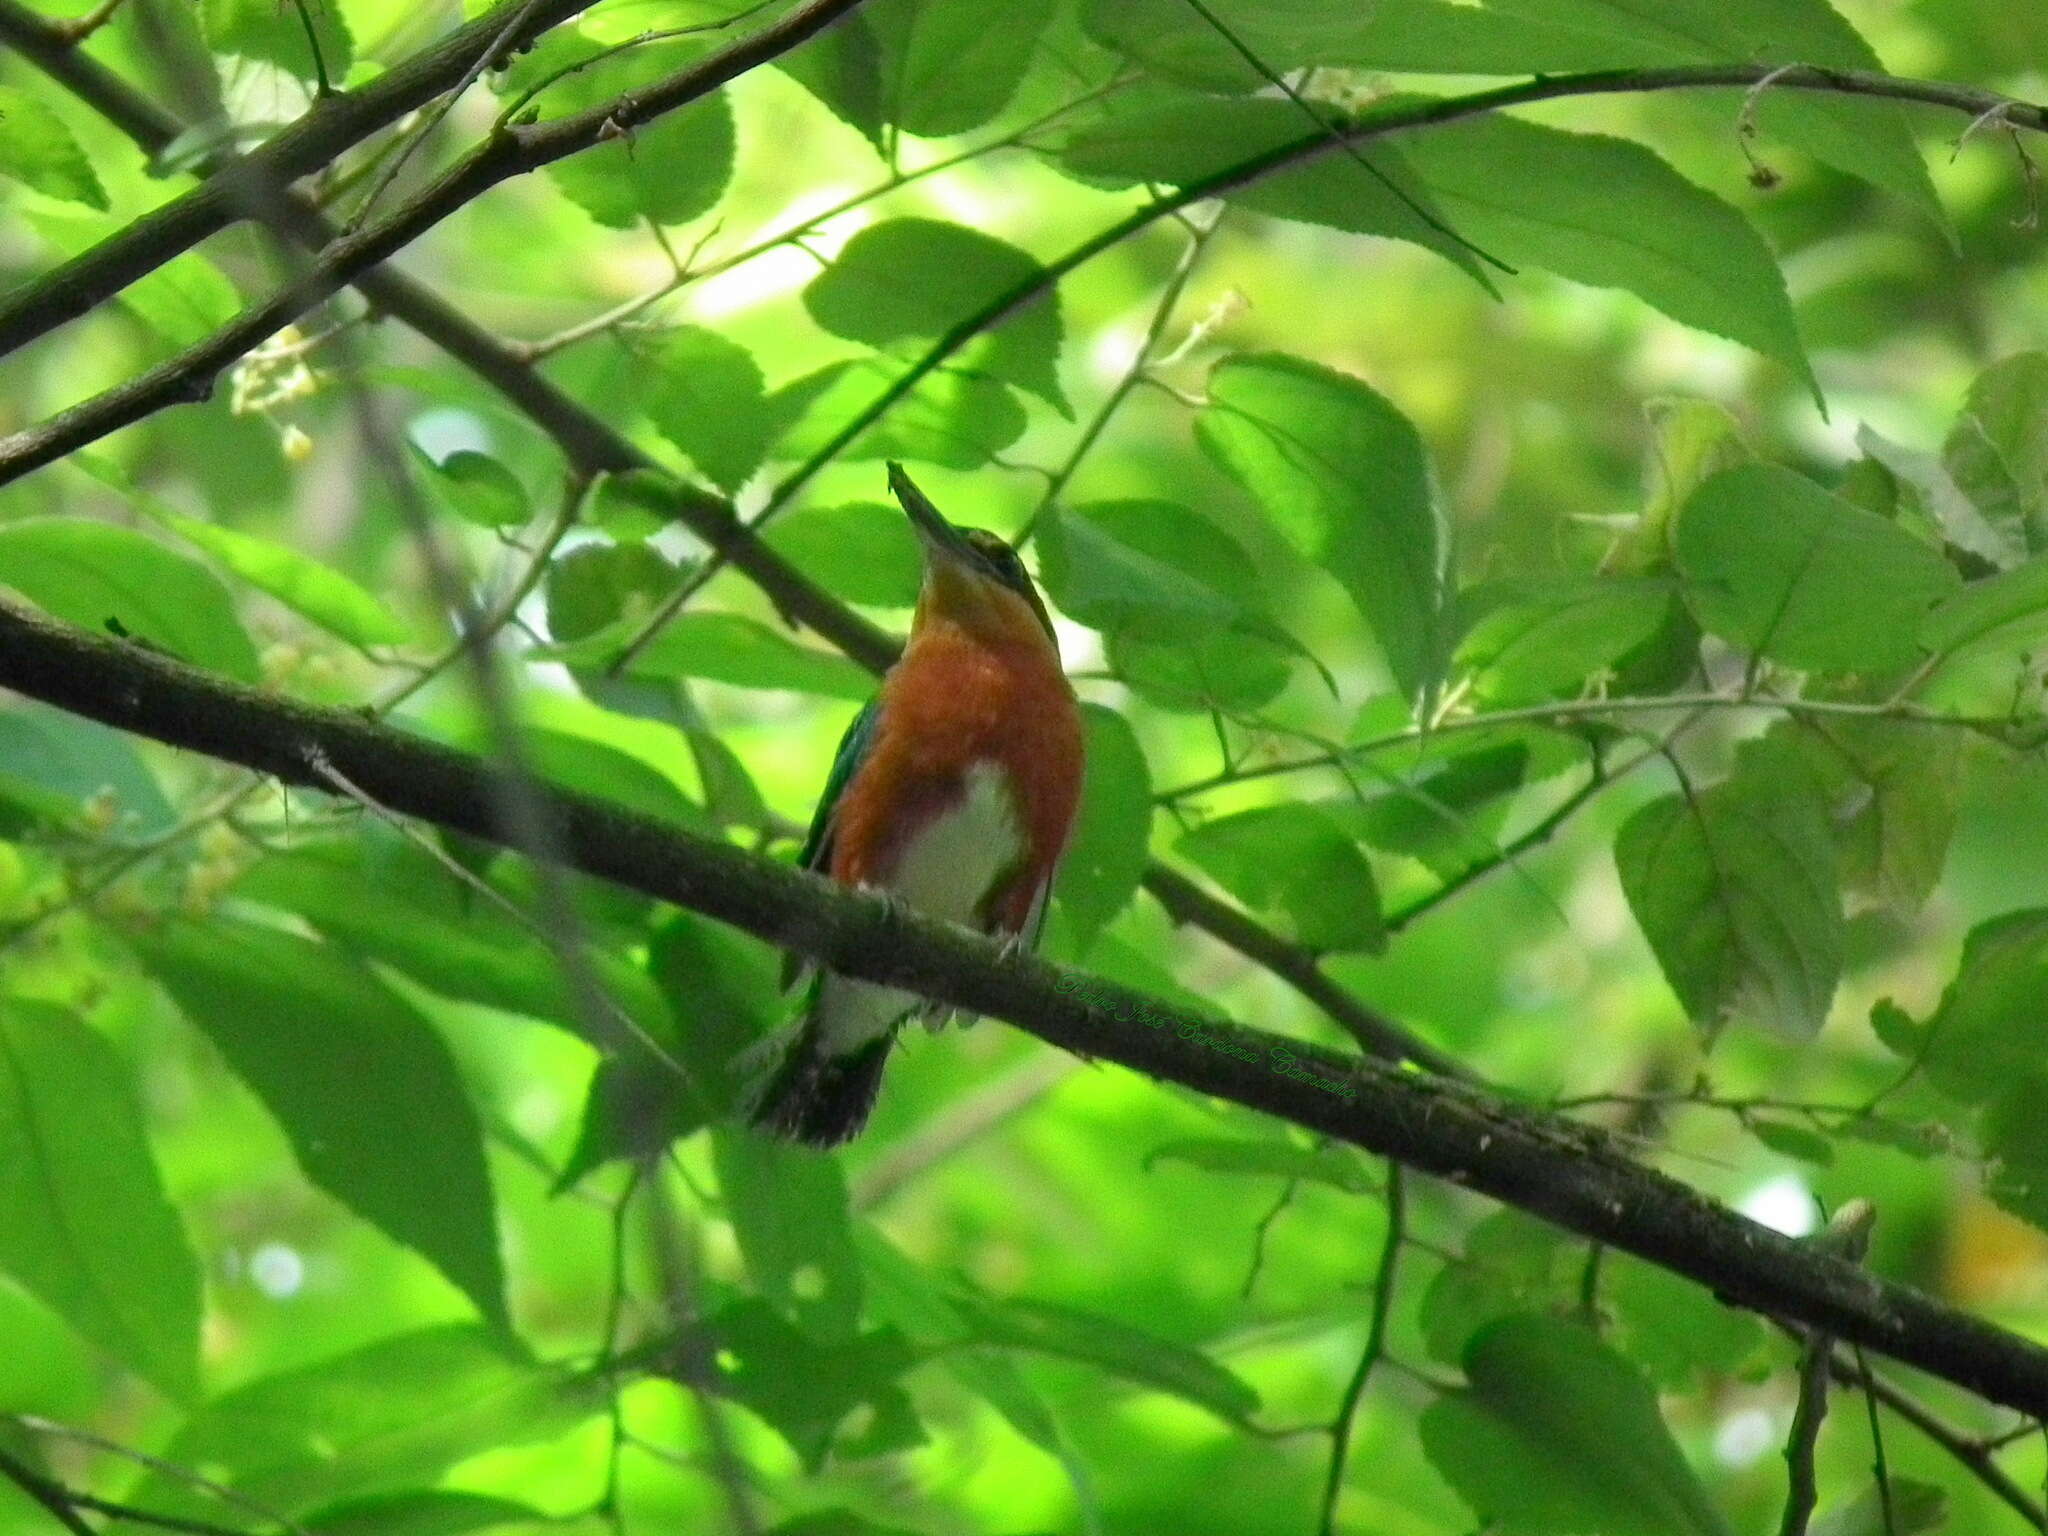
{"x": 853, "y": 751}
{"x": 817, "y": 850}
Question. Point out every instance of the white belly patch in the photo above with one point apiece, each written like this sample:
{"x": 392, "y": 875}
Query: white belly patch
{"x": 945, "y": 870}
{"x": 949, "y": 864}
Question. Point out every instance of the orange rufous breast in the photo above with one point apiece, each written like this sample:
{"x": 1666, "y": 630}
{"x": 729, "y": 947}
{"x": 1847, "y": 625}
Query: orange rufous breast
{"x": 957, "y": 698}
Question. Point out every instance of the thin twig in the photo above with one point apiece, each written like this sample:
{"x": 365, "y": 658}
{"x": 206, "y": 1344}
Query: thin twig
{"x": 1567, "y": 1173}
{"x": 49, "y": 1495}
{"x": 1375, "y": 1346}
{"x": 1199, "y": 236}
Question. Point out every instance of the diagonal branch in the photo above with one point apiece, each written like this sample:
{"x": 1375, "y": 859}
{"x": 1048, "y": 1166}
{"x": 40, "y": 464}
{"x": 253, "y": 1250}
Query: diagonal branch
{"x": 593, "y": 446}
{"x": 508, "y": 151}
{"x": 1570, "y": 1174}
{"x": 513, "y": 151}
{"x": 251, "y": 182}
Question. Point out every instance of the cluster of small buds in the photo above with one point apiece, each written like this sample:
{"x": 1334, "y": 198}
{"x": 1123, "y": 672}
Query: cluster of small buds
{"x": 274, "y": 374}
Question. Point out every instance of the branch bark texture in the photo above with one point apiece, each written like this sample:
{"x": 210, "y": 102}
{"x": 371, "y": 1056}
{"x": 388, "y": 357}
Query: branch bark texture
{"x": 1567, "y": 1173}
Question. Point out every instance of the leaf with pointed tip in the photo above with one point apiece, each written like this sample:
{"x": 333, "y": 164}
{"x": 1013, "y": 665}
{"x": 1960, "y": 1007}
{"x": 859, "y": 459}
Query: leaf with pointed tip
{"x": 363, "y": 1087}
{"x": 1557, "y": 1435}
{"x": 1106, "y": 854}
{"x": 99, "y": 576}
{"x": 84, "y": 1223}
{"x": 1777, "y": 565}
{"x": 1342, "y": 475}
{"x": 915, "y": 280}
{"x": 37, "y": 150}
{"x": 1611, "y": 214}
{"x": 1735, "y": 888}
{"x": 380, "y": 1419}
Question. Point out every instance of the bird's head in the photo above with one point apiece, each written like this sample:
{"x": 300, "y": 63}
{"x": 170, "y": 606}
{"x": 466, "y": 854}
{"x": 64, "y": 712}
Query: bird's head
{"x": 972, "y": 578}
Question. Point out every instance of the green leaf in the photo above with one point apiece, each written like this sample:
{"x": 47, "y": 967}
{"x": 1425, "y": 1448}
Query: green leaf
{"x": 597, "y": 585}
{"x": 380, "y": 1419}
{"x": 1903, "y": 1507}
{"x": 285, "y": 33}
{"x": 1512, "y": 1263}
{"x": 1794, "y": 1141}
{"x": 1674, "y": 1328}
{"x": 315, "y": 592}
{"x": 1337, "y": 1167}
{"x": 1236, "y": 667}
{"x": 1557, "y": 1435}
{"x": 1175, "y": 597}
{"x": 862, "y": 550}
{"x": 1132, "y": 1353}
{"x": 726, "y": 648}
{"x": 1106, "y": 854}
{"x": 1557, "y": 639}
{"x": 184, "y": 301}
{"x": 914, "y": 280}
{"x": 389, "y": 901}
{"x": 79, "y": 759}
{"x": 788, "y": 1209}
{"x": 362, "y": 1086}
{"x": 1864, "y": 138}
{"x": 84, "y": 1223}
{"x": 37, "y": 150}
{"x": 2015, "y": 1142}
{"x": 1446, "y": 815}
{"x": 1894, "y": 790}
{"x": 2005, "y": 613}
{"x": 710, "y": 400}
{"x": 1985, "y": 1036}
{"x": 1780, "y": 567}
{"x": 671, "y": 170}
{"x": 958, "y": 419}
{"x": 1609, "y": 213}
{"x": 419, "y": 1512}
{"x": 96, "y": 575}
{"x": 725, "y": 990}
{"x": 1157, "y": 134}
{"x": 805, "y": 1388}
{"x": 601, "y": 768}
{"x": 1104, "y": 581}
{"x": 1735, "y": 889}
{"x": 1997, "y": 452}
{"x": 928, "y": 67}
{"x": 1286, "y": 35}
{"x": 478, "y": 488}
{"x": 634, "y": 503}
{"x": 1295, "y": 860}
{"x": 1342, "y": 474}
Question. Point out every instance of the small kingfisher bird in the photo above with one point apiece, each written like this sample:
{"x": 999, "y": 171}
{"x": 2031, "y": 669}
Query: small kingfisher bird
{"x": 953, "y": 791}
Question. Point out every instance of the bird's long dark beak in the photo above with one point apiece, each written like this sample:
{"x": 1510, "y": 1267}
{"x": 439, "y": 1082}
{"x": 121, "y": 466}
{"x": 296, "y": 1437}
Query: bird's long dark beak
{"x": 938, "y": 536}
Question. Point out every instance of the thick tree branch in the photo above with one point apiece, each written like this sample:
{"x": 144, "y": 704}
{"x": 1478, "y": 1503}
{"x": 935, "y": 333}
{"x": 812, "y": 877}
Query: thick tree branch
{"x": 592, "y": 446}
{"x": 1376, "y": 1034}
{"x": 189, "y": 376}
{"x": 1568, "y": 1173}
{"x": 508, "y": 151}
{"x": 251, "y": 183}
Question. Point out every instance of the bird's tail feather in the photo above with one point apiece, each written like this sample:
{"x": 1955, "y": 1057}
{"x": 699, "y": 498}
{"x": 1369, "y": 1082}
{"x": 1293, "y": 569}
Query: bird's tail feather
{"x": 819, "y": 1098}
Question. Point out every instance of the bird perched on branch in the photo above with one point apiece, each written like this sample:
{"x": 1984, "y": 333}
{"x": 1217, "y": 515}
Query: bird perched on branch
{"x": 953, "y": 791}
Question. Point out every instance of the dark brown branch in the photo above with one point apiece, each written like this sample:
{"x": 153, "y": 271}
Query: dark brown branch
{"x": 1376, "y": 1034}
{"x": 1569, "y": 1174}
{"x": 53, "y": 1499}
{"x": 1976, "y": 1458}
{"x": 590, "y": 444}
{"x": 593, "y": 446}
{"x": 508, "y": 151}
{"x": 333, "y": 125}
{"x": 514, "y": 151}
